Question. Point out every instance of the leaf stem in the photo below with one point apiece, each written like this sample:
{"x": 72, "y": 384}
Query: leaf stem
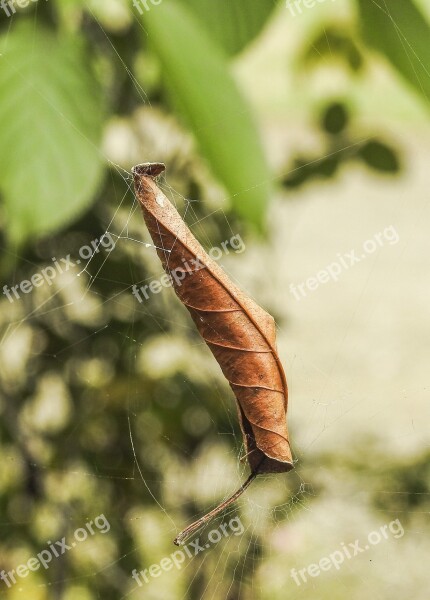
{"x": 179, "y": 540}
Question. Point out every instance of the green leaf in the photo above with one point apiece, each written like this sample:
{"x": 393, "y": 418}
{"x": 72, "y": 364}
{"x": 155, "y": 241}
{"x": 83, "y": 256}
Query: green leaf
{"x": 400, "y": 31}
{"x": 233, "y": 23}
{"x": 50, "y": 126}
{"x": 198, "y": 78}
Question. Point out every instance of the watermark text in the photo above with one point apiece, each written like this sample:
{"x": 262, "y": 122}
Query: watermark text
{"x": 347, "y": 551}
{"x": 333, "y": 271}
{"x": 178, "y": 558}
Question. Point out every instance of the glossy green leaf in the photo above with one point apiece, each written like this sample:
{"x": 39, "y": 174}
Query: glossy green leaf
{"x": 50, "y": 126}
{"x": 197, "y": 75}
{"x": 401, "y": 32}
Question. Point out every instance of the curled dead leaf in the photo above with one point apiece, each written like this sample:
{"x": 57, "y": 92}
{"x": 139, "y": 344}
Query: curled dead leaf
{"x": 240, "y": 334}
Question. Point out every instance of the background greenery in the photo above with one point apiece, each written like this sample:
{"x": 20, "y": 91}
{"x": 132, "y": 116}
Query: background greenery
{"x": 252, "y": 109}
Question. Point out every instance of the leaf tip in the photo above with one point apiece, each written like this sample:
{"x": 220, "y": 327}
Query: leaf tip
{"x": 149, "y": 169}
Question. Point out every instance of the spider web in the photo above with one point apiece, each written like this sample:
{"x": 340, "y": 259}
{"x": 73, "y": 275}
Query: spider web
{"x": 257, "y": 563}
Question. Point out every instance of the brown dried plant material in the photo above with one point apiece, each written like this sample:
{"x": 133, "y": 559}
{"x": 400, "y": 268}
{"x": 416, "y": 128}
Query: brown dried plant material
{"x": 240, "y": 334}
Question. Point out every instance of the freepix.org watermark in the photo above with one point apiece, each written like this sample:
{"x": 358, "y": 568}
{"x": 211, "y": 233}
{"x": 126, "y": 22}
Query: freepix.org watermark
{"x": 333, "y": 271}
{"x": 55, "y": 550}
{"x": 347, "y": 551}
{"x": 142, "y": 5}
{"x": 9, "y": 7}
{"x": 178, "y": 558}
{"x": 48, "y": 274}
{"x": 296, "y": 6}
{"x": 177, "y": 275}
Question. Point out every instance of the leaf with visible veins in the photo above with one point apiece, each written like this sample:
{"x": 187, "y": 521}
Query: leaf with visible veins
{"x": 239, "y": 333}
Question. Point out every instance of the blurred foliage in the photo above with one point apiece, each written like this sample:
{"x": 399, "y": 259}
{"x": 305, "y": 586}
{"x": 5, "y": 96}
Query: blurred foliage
{"x": 401, "y": 33}
{"x": 334, "y": 42}
{"x": 83, "y": 366}
{"x": 191, "y": 40}
{"x": 395, "y": 487}
{"x": 51, "y": 117}
{"x": 232, "y": 23}
{"x": 64, "y": 97}
{"x": 408, "y": 483}
{"x": 344, "y": 47}
{"x": 213, "y": 108}
{"x": 341, "y": 147}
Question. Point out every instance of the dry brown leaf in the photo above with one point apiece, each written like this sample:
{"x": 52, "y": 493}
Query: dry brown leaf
{"x": 240, "y": 334}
